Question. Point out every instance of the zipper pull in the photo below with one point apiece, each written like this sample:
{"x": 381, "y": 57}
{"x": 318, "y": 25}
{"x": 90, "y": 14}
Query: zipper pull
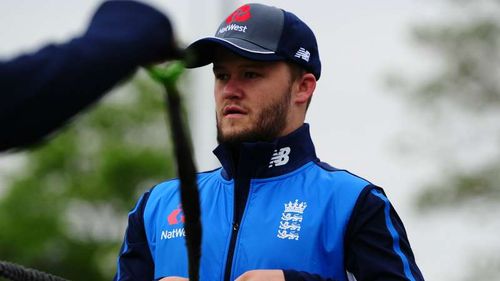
{"x": 236, "y": 226}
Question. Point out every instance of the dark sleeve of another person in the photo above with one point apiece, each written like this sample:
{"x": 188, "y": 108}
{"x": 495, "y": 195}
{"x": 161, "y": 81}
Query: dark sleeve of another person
{"x": 39, "y": 92}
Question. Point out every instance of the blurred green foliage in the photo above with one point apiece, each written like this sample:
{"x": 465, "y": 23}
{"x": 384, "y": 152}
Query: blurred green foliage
{"x": 464, "y": 186}
{"x": 469, "y": 63}
{"x": 460, "y": 93}
{"x": 66, "y": 211}
{"x": 459, "y": 97}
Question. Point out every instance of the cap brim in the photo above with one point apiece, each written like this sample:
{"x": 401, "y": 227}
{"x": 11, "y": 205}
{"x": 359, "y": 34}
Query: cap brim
{"x": 202, "y": 52}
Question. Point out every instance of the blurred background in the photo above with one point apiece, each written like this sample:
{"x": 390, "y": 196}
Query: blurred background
{"x": 409, "y": 98}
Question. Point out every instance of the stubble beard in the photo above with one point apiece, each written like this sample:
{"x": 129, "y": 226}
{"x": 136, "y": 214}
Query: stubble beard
{"x": 271, "y": 121}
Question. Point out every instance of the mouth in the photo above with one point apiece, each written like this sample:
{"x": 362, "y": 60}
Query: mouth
{"x": 233, "y": 111}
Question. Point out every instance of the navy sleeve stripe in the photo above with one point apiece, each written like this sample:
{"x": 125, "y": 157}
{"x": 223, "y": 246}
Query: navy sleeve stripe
{"x": 394, "y": 234}
{"x": 125, "y": 244}
{"x": 135, "y": 215}
{"x": 139, "y": 202}
{"x": 124, "y": 249}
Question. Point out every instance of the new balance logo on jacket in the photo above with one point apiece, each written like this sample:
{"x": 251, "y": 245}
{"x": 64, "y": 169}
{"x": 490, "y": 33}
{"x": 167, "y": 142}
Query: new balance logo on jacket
{"x": 280, "y": 157}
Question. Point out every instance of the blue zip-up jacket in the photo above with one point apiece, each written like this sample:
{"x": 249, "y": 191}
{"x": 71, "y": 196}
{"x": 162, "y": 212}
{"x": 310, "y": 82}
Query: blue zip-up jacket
{"x": 272, "y": 206}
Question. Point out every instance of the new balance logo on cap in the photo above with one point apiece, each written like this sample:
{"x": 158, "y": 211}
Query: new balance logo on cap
{"x": 303, "y": 54}
{"x": 280, "y": 157}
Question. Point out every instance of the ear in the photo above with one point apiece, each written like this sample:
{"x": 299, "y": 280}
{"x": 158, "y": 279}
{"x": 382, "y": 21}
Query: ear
{"x": 305, "y": 87}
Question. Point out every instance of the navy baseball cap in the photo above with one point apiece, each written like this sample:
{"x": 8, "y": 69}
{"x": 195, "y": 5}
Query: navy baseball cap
{"x": 262, "y": 33}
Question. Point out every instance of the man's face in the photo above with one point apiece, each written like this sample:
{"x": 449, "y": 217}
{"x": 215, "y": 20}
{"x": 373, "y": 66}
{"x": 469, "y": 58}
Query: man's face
{"x": 252, "y": 99}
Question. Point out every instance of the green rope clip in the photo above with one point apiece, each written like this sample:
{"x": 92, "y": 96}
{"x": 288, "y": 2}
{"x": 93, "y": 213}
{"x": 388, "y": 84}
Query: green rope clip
{"x": 168, "y": 75}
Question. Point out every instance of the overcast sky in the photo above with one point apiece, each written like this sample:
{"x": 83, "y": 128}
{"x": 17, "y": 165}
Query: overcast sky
{"x": 354, "y": 121}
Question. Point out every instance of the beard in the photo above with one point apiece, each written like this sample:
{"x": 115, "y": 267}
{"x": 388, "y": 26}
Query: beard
{"x": 271, "y": 121}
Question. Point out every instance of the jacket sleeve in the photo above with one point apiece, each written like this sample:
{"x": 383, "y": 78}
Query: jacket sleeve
{"x": 135, "y": 262}
{"x": 294, "y": 275}
{"x": 376, "y": 244}
{"x": 39, "y": 92}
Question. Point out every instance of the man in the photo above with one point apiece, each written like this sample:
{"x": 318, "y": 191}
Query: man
{"x": 273, "y": 211}
{"x": 39, "y": 92}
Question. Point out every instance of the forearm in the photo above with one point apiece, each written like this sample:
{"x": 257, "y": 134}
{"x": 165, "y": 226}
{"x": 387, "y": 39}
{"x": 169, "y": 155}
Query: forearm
{"x": 48, "y": 88}
{"x": 41, "y": 91}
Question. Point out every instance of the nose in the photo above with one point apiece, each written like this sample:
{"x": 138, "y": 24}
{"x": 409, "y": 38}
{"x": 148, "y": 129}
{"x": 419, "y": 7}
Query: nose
{"x": 232, "y": 89}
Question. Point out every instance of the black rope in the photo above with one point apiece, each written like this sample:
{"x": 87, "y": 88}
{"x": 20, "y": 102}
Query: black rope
{"x": 189, "y": 196}
{"x": 187, "y": 176}
{"x": 17, "y": 272}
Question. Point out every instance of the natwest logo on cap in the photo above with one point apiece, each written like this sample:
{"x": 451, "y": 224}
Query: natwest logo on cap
{"x": 240, "y": 15}
{"x": 176, "y": 216}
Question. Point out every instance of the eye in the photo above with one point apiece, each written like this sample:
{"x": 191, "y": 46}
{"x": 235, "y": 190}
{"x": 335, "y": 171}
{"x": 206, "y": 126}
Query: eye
{"x": 221, "y": 76}
{"x": 251, "y": 74}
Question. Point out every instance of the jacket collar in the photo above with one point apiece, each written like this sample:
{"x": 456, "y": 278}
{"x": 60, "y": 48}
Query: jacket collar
{"x": 268, "y": 159}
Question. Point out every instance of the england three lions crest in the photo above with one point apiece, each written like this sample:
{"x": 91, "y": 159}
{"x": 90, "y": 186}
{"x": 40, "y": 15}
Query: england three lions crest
{"x": 291, "y": 218}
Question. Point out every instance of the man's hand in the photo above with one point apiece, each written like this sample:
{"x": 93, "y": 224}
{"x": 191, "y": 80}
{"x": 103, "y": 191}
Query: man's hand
{"x": 252, "y": 275}
{"x": 262, "y": 275}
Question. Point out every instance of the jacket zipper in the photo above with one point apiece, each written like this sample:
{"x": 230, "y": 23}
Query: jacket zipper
{"x": 241, "y": 190}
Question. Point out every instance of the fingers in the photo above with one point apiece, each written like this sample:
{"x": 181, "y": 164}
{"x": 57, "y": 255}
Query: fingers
{"x": 174, "y": 278}
{"x": 262, "y": 275}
